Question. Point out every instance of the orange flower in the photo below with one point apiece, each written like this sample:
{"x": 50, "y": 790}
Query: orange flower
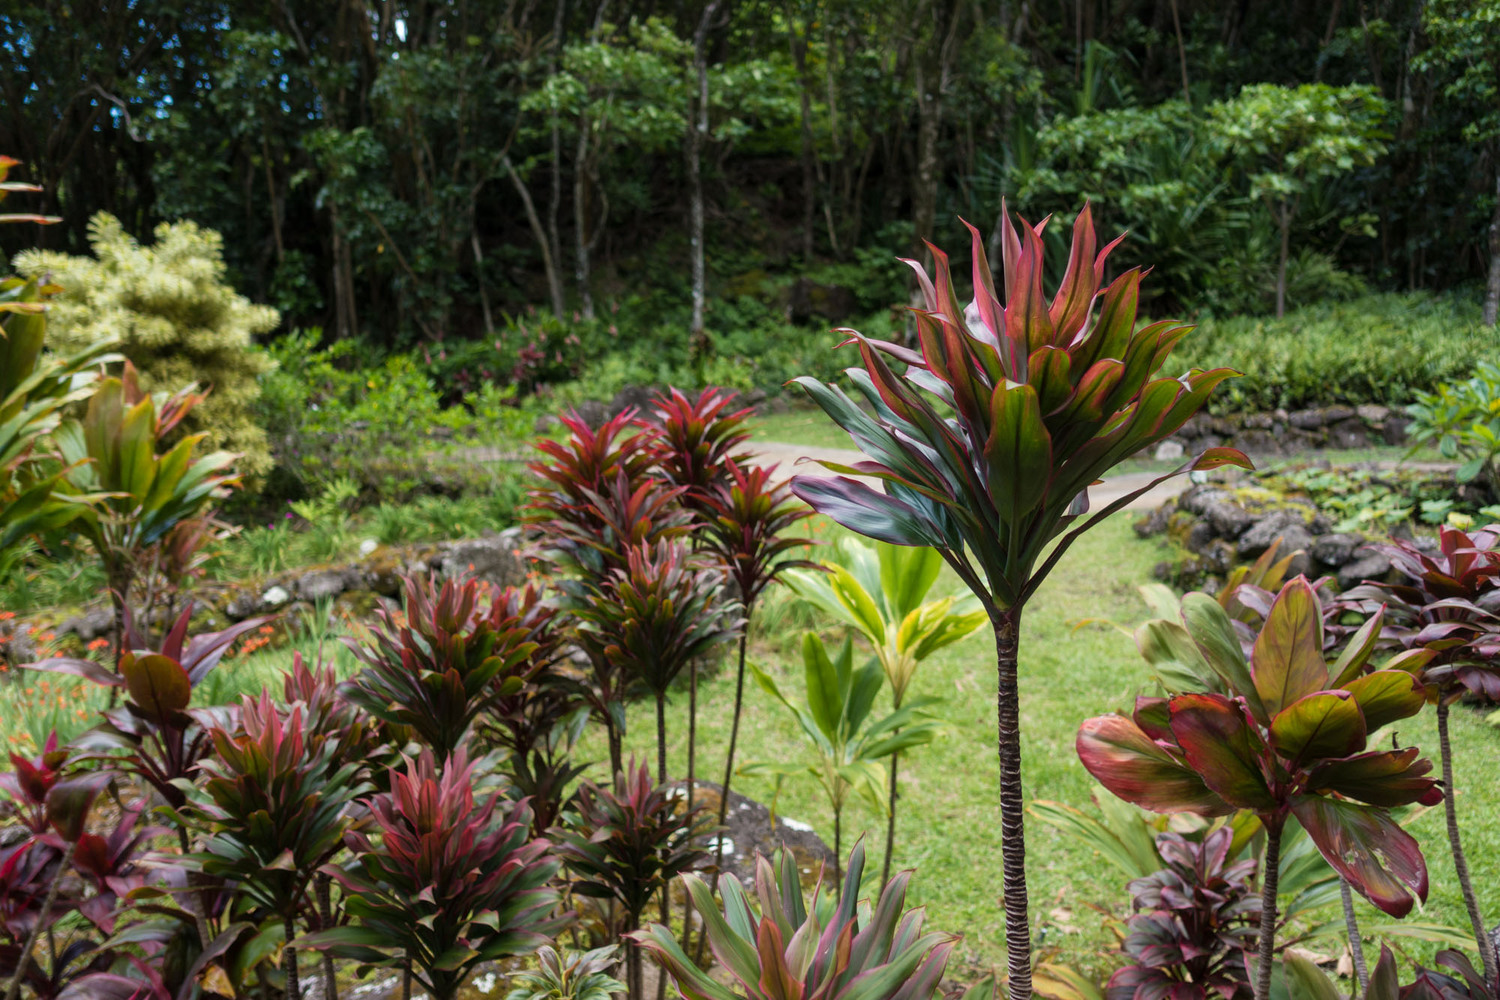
{"x": 6, "y": 616}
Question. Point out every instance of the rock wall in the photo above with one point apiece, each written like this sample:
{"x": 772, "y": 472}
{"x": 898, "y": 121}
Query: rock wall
{"x": 1286, "y": 433}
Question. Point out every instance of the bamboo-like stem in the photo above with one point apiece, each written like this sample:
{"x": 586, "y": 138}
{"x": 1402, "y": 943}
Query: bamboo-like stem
{"x": 890, "y": 818}
{"x": 1356, "y": 943}
{"x": 1270, "y": 875}
{"x": 289, "y": 960}
{"x": 1455, "y": 843}
{"x": 1012, "y": 803}
{"x": 838, "y": 852}
{"x": 14, "y": 989}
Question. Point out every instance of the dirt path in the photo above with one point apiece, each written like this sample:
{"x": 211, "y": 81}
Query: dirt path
{"x": 788, "y": 456}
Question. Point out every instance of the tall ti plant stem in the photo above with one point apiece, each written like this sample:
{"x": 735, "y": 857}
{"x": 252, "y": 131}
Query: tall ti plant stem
{"x": 1007, "y": 626}
{"x": 734, "y": 736}
{"x": 890, "y": 816}
{"x": 1460, "y": 862}
{"x": 289, "y": 960}
{"x": 1356, "y": 944}
{"x": 661, "y": 781}
{"x": 43, "y": 919}
{"x": 1271, "y": 869}
{"x": 692, "y": 773}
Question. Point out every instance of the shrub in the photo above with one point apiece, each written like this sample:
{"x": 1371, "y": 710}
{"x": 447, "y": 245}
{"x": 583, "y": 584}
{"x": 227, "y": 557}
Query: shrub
{"x": 176, "y": 317}
{"x": 1377, "y": 349}
{"x": 1463, "y": 420}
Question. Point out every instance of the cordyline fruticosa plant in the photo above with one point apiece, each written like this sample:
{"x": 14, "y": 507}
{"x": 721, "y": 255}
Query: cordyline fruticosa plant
{"x": 597, "y": 498}
{"x": 279, "y": 800}
{"x": 1192, "y": 925}
{"x": 443, "y": 661}
{"x": 626, "y": 844}
{"x": 792, "y": 950}
{"x": 154, "y": 736}
{"x": 1287, "y": 736}
{"x": 1448, "y": 607}
{"x": 1046, "y": 397}
{"x": 449, "y": 885}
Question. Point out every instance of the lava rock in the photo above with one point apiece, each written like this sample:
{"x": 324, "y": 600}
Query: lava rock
{"x": 91, "y": 624}
{"x": 492, "y": 558}
{"x": 1349, "y": 433}
{"x": 1336, "y": 549}
{"x": 632, "y": 397}
{"x": 321, "y": 584}
{"x": 1169, "y": 450}
{"x": 1307, "y": 420}
{"x": 1372, "y": 413}
{"x": 1286, "y": 525}
{"x": 1370, "y": 567}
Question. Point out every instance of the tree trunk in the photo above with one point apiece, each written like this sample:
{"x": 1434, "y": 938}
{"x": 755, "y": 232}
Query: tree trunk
{"x": 581, "y": 220}
{"x": 484, "y": 295}
{"x": 1492, "y": 286}
{"x": 890, "y": 818}
{"x": 289, "y": 961}
{"x": 1187, "y": 94}
{"x": 1460, "y": 862}
{"x": 1356, "y": 943}
{"x": 1012, "y": 803}
{"x": 554, "y": 194}
{"x": 543, "y": 242}
{"x": 1270, "y": 875}
{"x": 809, "y": 166}
{"x": 697, "y": 135}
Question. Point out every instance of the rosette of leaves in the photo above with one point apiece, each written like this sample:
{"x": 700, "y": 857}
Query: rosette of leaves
{"x": 627, "y": 843}
{"x": 449, "y": 885}
{"x": 441, "y": 663}
{"x": 653, "y": 617}
{"x": 1194, "y": 921}
{"x": 569, "y": 975}
{"x": 119, "y": 453}
{"x": 278, "y": 802}
{"x": 882, "y": 591}
{"x": 986, "y": 440}
{"x": 1289, "y": 736}
{"x": 696, "y": 439}
{"x": 152, "y": 735}
{"x": 1445, "y": 616}
{"x": 777, "y": 945}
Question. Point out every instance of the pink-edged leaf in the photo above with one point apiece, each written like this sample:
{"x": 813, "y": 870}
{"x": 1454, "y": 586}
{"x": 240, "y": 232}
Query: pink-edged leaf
{"x": 1381, "y": 861}
{"x": 87, "y": 669}
{"x": 1287, "y": 661}
{"x": 69, "y": 802}
{"x": 1356, "y": 654}
{"x": 1222, "y": 748}
{"x": 1019, "y": 452}
{"x": 1324, "y": 724}
{"x": 1386, "y": 778}
{"x": 1070, "y": 306}
{"x": 1026, "y": 316}
{"x": 1385, "y": 696}
{"x": 864, "y": 511}
{"x": 1134, "y": 767}
{"x": 1154, "y": 717}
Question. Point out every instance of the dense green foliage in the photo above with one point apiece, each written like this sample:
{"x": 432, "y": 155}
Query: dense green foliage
{"x": 175, "y": 316}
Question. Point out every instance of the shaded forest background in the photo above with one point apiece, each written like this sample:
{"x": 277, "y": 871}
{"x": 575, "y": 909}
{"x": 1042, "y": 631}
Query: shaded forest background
{"x": 415, "y": 173}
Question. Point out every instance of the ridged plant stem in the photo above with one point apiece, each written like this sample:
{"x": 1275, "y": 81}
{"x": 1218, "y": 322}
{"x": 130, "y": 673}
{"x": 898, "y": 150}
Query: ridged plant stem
{"x": 1270, "y": 875}
{"x": 1356, "y": 943}
{"x": 1012, "y": 803}
{"x": 1455, "y": 842}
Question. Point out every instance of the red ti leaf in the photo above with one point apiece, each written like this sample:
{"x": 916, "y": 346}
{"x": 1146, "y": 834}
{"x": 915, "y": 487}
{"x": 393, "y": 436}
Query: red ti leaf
{"x": 1137, "y": 769}
{"x": 1287, "y": 661}
{"x": 1222, "y": 748}
{"x": 1381, "y": 861}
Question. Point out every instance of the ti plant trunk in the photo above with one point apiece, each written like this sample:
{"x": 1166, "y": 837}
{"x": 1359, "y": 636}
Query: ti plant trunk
{"x": 1012, "y": 803}
{"x": 838, "y": 855}
{"x": 42, "y": 920}
{"x": 687, "y": 926}
{"x": 1356, "y": 944}
{"x": 1460, "y": 862}
{"x": 734, "y": 736}
{"x": 1270, "y": 876}
{"x": 661, "y": 781}
{"x": 325, "y": 915}
{"x": 289, "y": 961}
{"x": 890, "y": 817}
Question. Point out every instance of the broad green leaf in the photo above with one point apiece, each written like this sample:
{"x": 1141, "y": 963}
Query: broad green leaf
{"x": 1019, "y": 452}
{"x": 1386, "y": 696}
{"x": 1213, "y": 633}
{"x": 1287, "y": 662}
{"x": 158, "y": 685}
{"x": 1326, "y": 724}
{"x": 1222, "y": 748}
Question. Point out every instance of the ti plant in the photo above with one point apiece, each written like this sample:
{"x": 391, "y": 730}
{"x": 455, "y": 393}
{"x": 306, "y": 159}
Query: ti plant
{"x": 625, "y": 845}
{"x": 1286, "y": 736}
{"x": 697, "y": 439}
{"x": 882, "y": 591}
{"x": 596, "y": 498}
{"x": 118, "y": 452}
{"x": 1445, "y": 611}
{"x": 443, "y": 661}
{"x": 836, "y": 717}
{"x": 657, "y": 614}
{"x": 779, "y": 947}
{"x": 1046, "y": 397}
{"x": 154, "y": 736}
{"x": 569, "y": 975}
{"x": 279, "y": 800}
{"x": 449, "y": 885}
{"x": 1192, "y": 925}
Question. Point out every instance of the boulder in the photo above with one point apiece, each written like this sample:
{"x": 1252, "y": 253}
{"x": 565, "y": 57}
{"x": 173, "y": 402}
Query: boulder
{"x": 632, "y": 397}
{"x": 491, "y": 558}
{"x": 1169, "y": 450}
{"x": 1349, "y": 433}
{"x": 1287, "y": 525}
{"x": 321, "y": 584}
{"x": 91, "y": 624}
{"x": 1307, "y": 420}
{"x": 1393, "y": 431}
{"x": 1373, "y": 566}
{"x": 1373, "y": 414}
{"x": 1335, "y": 550}
{"x": 749, "y": 827}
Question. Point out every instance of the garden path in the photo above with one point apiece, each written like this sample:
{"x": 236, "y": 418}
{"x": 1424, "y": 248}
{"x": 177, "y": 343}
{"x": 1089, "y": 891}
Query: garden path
{"x": 787, "y": 457}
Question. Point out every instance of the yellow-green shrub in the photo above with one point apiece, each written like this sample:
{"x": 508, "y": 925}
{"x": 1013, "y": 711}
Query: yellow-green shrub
{"x": 177, "y": 319}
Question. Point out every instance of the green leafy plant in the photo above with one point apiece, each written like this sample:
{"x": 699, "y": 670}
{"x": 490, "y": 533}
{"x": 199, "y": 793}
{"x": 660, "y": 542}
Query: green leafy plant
{"x": 1462, "y": 420}
{"x": 1442, "y": 616}
{"x": 785, "y": 946}
{"x": 836, "y": 718}
{"x": 569, "y": 975}
{"x": 1045, "y": 397}
{"x": 882, "y": 591}
{"x": 450, "y": 884}
{"x": 1286, "y": 734}
{"x": 626, "y": 844}
{"x": 442, "y": 661}
{"x": 279, "y": 799}
{"x": 119, "y": 452}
